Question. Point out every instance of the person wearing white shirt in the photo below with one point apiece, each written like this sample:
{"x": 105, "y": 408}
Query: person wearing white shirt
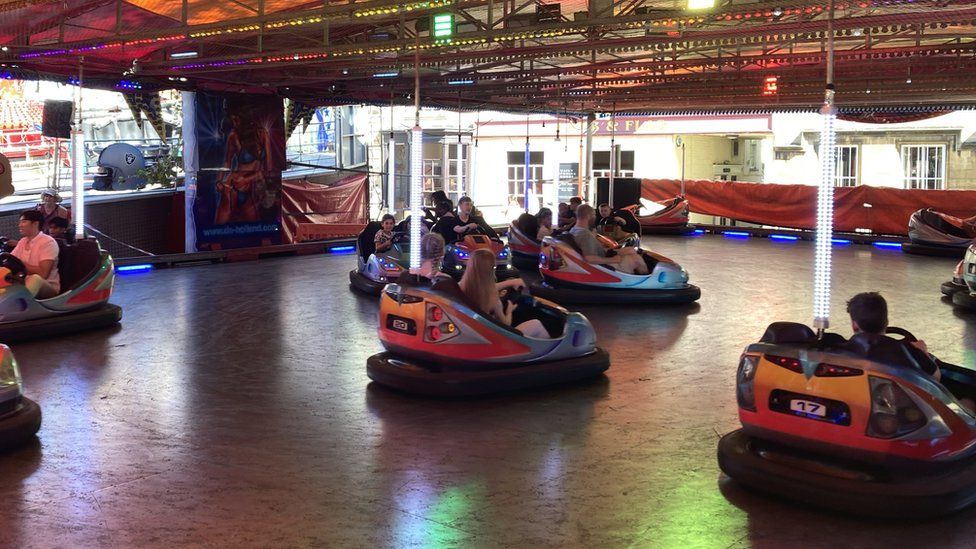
{"x": 39, "y": 254}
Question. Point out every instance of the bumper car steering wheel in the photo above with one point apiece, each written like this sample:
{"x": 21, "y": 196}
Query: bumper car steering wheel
{"x": 18, "y": 271}
{"x": 905, "y": 334}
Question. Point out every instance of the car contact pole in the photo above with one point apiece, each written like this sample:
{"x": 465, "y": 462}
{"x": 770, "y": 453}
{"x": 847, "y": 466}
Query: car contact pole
{"x": 78, "y": 162}
{"x": 825, "y": 196}
{"x": 416, "y": 162}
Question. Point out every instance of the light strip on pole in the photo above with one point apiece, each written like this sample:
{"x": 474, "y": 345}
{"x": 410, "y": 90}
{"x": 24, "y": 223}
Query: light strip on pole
{"x": 416, "y": 215}
{"x": 825, "y": 217}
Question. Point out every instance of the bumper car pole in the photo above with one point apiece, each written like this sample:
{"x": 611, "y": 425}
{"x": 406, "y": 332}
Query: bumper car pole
{"x": 78, "y": 162}
{"x": 525, "y": 200}
{"x": 825, "y": 196}
{"x": 416, "y": 162}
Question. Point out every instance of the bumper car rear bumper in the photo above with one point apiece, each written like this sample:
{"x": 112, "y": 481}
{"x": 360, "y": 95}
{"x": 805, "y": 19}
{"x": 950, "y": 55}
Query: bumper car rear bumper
{"x": 437, "y": 380}
{"x": 102, "y": 316}
{"x": 846, "y": 487}
{"x": 590, "y": 295}
{"x": 950, "y": 288}
{"x": 364, "y": 284}
{"x": 936, "y": 250}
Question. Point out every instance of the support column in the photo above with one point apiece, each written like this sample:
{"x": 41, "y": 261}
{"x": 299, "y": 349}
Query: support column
{"x": 590, "y": 191}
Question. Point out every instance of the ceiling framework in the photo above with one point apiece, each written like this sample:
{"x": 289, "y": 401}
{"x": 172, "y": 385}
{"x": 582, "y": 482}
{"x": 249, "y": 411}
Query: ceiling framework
{"x": 573, "y": 56}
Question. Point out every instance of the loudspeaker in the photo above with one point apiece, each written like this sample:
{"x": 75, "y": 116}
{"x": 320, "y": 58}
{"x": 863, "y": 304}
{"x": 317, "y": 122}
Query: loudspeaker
{"x": 57, "y": 119}
{"x": 626, "y": 191}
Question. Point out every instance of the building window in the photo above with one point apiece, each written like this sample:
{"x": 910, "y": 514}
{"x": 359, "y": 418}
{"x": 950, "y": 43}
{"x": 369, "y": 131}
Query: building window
{"x": 516, "y": 175}
{"x": 846, "y": 166}
{"x": 924, "y": 166}
{"x": 433, "y": 176}
{"x": 352, "y": 143}
{"x": 601, "y": 164}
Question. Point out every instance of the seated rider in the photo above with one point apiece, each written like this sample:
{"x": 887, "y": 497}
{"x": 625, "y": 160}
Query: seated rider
{"x": 610, "y": 224}
{"x": 528, "y": 224}
{"x": 466, "y": 221}
{"x": 544, "y": 218}
{"x": 39, "y": 254}
{"x": 869, "y": 316}
{"x": 430, "y": 215}
{"x": 479, "y": 286}
{"x": 568, "y": 218}
{"x": 383, "y": 240}
{"x": 431, "y": 256}
{"x": 445, "y": 220}
{"x": 627, "y": 260}
{"x": 58, "y": 228}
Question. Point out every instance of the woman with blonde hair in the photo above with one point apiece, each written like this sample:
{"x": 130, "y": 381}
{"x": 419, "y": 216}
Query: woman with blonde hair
{"x": 479, "y": 286}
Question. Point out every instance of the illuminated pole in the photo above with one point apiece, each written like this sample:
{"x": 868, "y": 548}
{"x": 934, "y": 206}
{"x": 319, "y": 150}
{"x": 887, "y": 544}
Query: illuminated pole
{"x": 825, "y": 197}
{"x": 416, "y": 162}
{"x": 613, "y": 156}
{"x": 78, "y": 162}
{"x": 391, "y": 167}
{"x": 526, "y": 199}
{"x": 588, "y": 158}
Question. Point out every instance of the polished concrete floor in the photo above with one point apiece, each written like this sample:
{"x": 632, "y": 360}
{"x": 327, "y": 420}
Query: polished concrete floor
{"x": 232, "y": 409}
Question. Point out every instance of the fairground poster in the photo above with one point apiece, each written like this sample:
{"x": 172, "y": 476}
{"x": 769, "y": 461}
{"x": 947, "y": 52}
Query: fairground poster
{"x": 240, "y": 155}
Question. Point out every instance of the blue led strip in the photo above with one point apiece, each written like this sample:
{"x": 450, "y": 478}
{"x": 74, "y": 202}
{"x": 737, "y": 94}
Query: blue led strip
{"x": 142, "y": 268}
{"x": 784, "y": 237}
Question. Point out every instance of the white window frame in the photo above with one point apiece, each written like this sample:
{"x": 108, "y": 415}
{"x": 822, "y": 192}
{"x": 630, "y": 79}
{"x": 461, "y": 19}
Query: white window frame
{"x": 850, "y": 177}
{"x": 517, "y": 181}
{"x": 923, "y": 180}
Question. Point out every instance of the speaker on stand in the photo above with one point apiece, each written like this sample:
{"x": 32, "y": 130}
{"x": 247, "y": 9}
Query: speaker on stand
{"x": 56, "y": 123}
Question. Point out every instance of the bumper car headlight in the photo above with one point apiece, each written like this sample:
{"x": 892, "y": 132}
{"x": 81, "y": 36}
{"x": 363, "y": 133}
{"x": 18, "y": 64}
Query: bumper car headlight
{"x": 9, "y": 372}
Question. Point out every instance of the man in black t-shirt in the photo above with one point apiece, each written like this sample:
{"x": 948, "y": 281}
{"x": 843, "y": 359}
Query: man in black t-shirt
{"x": 465, "y": 222}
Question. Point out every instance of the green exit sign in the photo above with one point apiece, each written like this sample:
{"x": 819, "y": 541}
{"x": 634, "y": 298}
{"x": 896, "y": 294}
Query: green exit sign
{"x": 442, "y": 26}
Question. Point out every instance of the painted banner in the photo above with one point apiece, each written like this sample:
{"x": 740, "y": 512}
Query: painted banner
{"x": 882, "y": 210}
{"x": 341, "y": 202}
{"x": 240, "y": 146}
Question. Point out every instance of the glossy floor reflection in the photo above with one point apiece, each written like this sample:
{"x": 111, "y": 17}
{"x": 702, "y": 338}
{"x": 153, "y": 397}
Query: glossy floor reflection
{"x": 232, "y": 408}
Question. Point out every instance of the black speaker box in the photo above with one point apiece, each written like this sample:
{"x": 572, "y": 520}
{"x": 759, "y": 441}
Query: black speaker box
{"x": 626, "y": 191}
{"x": 57, "y": 119}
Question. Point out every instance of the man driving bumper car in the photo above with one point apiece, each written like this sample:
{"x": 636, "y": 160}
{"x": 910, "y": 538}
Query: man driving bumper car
{"x": 56, "y": 288}
{"x": 470, "y": 233}
{"x": 871, "y": 426}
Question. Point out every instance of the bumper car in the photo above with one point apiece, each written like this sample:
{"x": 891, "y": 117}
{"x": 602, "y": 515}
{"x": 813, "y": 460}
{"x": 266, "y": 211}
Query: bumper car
{"x": 568, "y": 278}
{"x": 935, "y": 233}
{"x": 525, "y": 249}
{"x": 852, "y": 427}
{"x": 20, "y": 417}
{"x": 456, "y": 255}
{"x": 87, "y": 278}
{"x": 670, "y": 217}
{"x": 375, "y": 270}
{"x": 965, "y": 296}
{"x": 437, "y": 344}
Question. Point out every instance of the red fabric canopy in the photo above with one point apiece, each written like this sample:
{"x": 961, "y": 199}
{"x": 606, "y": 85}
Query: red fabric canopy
{"x": 304, "y": 202}
{"x": 883, "y": 210}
